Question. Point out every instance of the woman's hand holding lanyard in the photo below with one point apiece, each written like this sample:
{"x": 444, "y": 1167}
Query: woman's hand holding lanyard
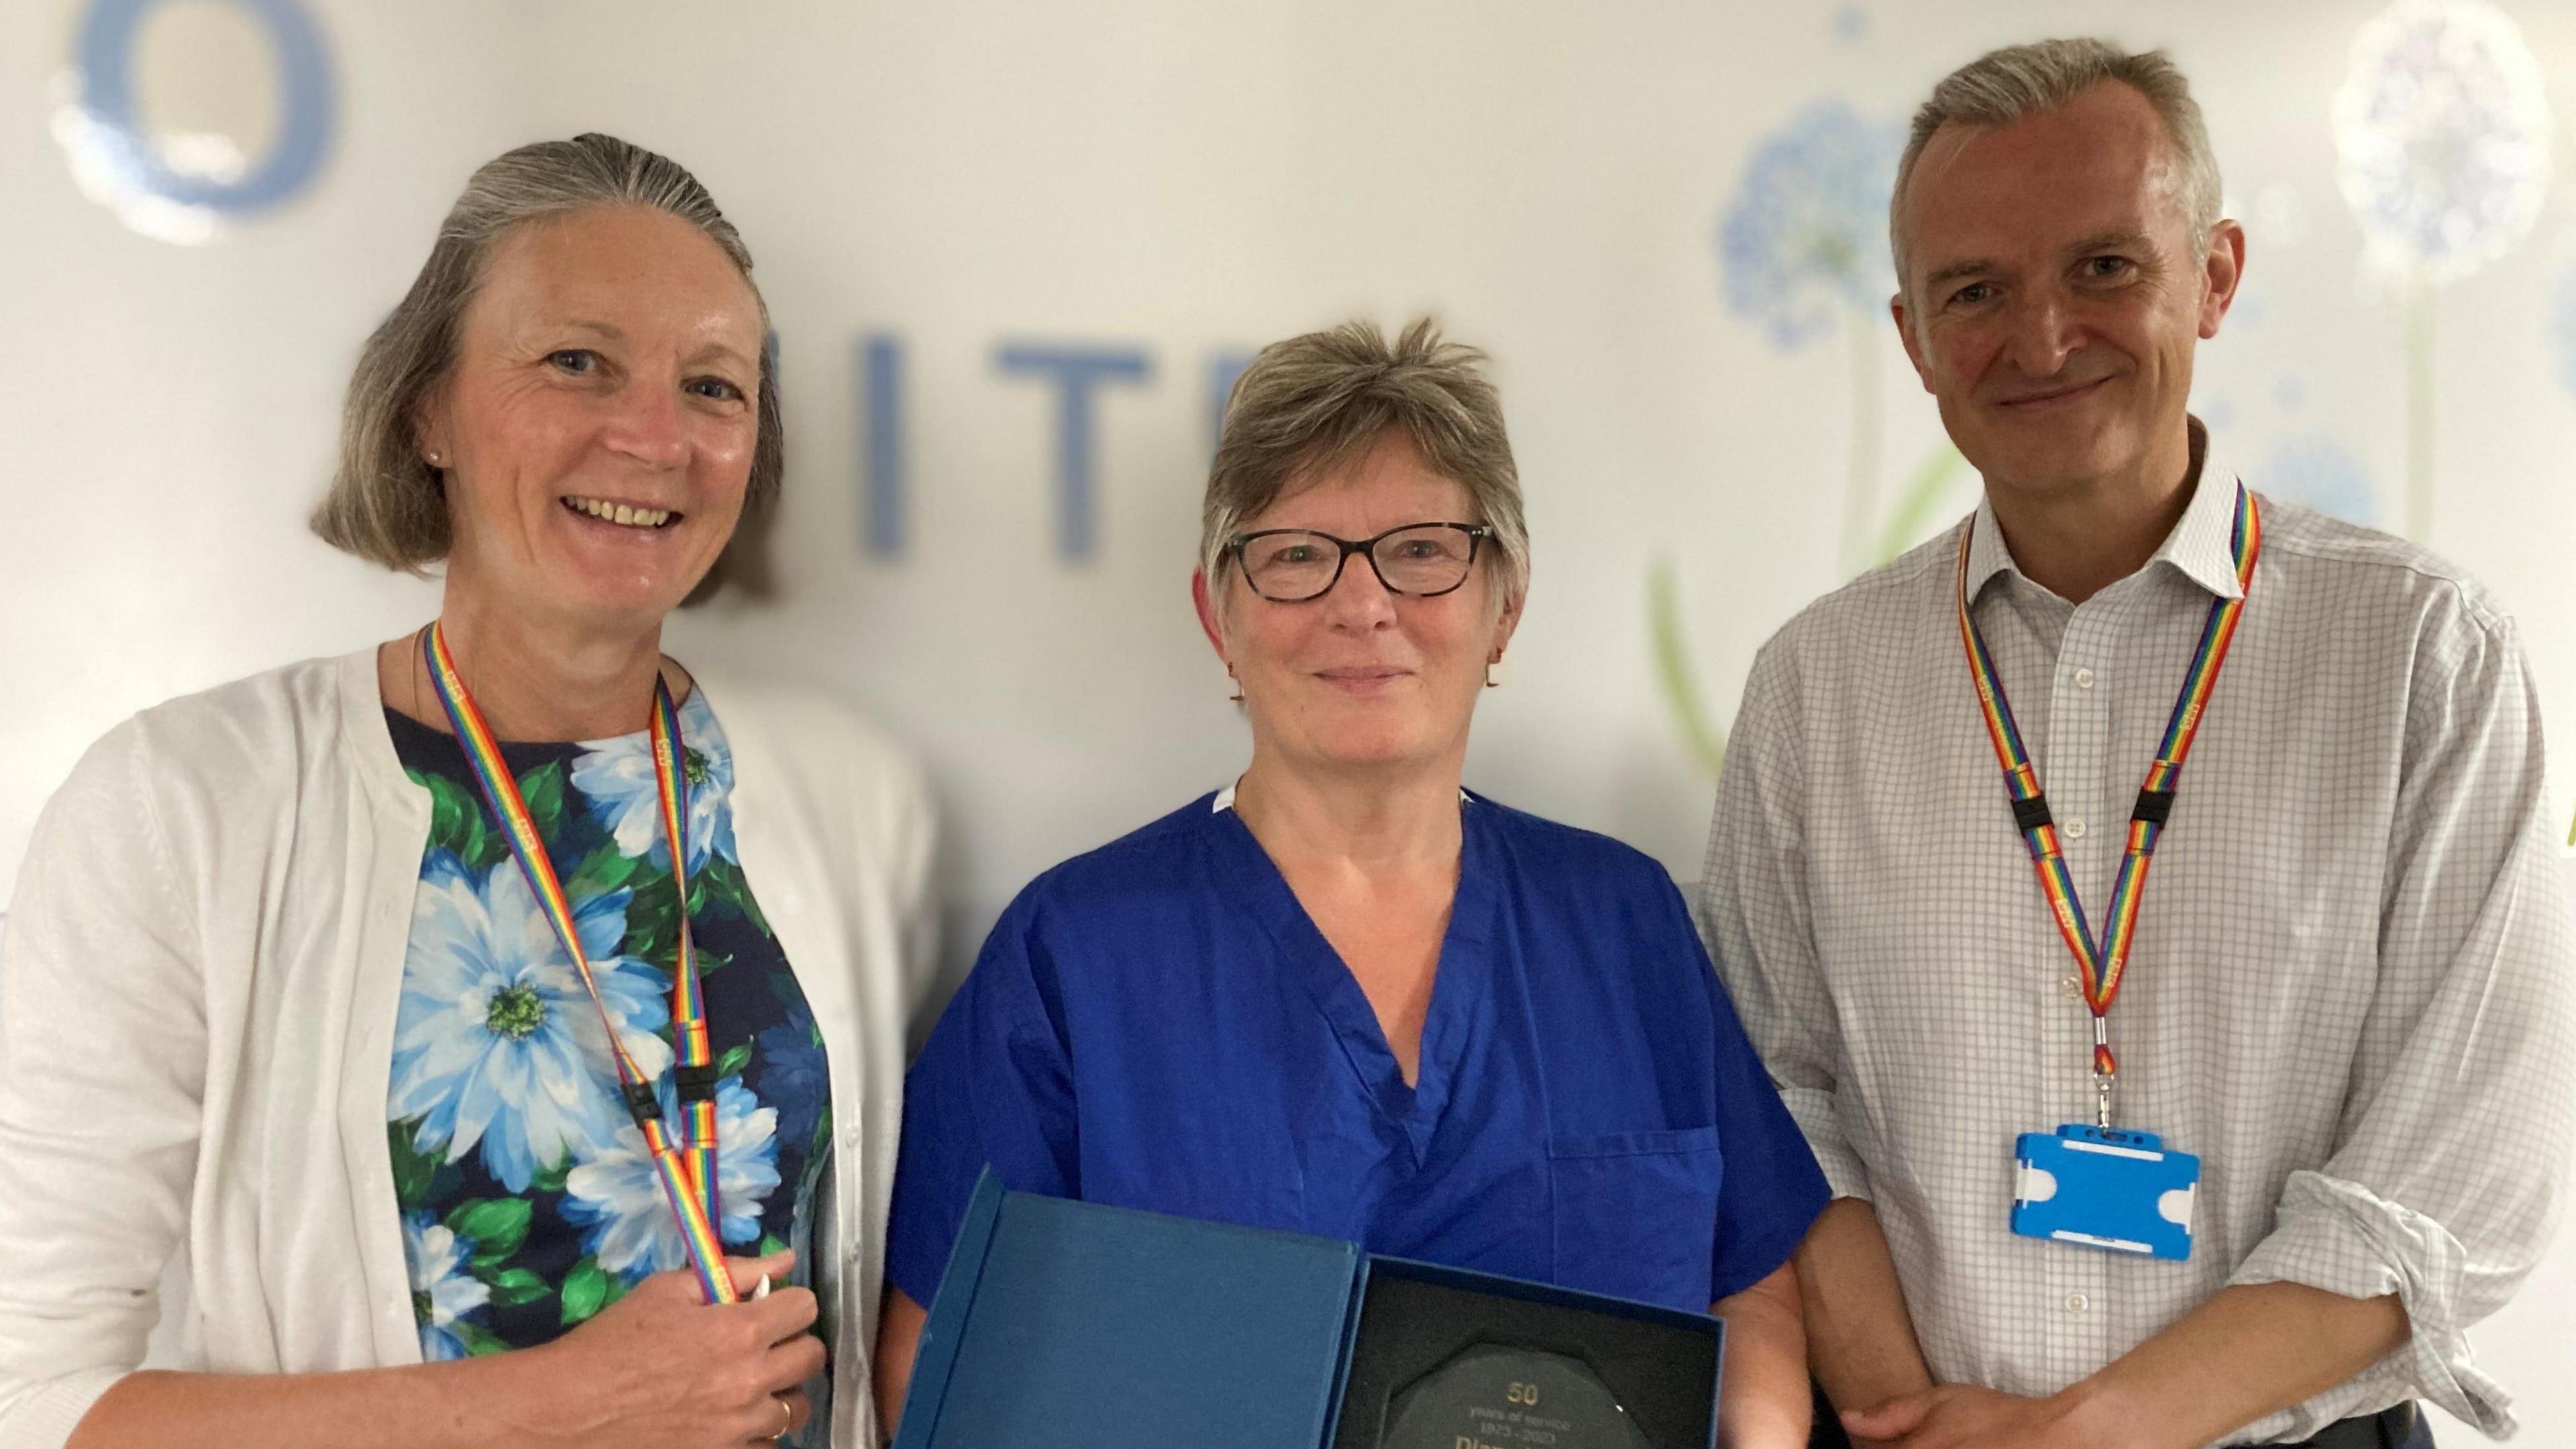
{"x": 701, "y": 1356}
{"x": 661, "y": 1368}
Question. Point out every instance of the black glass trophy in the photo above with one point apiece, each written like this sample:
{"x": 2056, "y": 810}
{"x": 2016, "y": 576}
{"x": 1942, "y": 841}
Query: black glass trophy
{"x": 1496, "y": 1396}
{"x": 1450, "y": 1360}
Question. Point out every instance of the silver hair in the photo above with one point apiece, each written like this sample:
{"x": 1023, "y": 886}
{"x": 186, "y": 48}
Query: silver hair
{"x": 2005, "y": 85}
{"x": 388, "y": 505}
{"x": 1321, "y": 399}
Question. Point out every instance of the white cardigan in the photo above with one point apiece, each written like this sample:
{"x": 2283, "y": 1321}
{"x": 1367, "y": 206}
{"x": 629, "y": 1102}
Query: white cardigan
{"x": 197, "y": 994}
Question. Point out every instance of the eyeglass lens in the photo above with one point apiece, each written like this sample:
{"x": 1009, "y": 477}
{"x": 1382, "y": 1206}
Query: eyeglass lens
{"x": 1431, "y": 558}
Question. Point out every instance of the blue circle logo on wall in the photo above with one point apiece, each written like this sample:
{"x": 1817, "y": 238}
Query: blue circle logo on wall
{"x": 184, "y": 187}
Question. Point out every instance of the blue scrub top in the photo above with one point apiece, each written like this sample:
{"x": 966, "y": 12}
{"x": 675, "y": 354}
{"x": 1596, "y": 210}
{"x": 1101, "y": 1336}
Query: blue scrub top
{"x": 1158, "y": 1024}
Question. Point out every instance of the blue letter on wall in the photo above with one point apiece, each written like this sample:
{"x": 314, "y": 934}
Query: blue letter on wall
{"x": 1077, "y": 373}
{"x": 106, "y": 58}
{"x": 881, "y": 457}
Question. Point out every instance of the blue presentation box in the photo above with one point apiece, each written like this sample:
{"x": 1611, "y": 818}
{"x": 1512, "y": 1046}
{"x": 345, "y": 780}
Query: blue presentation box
{"x": 1079, "y": 1326}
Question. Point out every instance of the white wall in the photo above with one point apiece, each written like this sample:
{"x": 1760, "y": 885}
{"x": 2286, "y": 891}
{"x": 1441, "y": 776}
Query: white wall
{"x": 1190, "y": 180}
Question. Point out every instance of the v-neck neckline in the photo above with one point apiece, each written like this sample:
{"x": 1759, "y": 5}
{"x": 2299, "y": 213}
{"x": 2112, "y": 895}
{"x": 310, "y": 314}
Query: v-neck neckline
{"x": 1461, "y": 980}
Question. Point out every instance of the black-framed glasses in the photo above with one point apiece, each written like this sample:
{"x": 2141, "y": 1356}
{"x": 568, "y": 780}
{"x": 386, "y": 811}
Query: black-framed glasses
{"x": 1420, "y": 560}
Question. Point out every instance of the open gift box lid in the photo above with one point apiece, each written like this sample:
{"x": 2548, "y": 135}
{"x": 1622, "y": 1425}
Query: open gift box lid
{"x": 1074, "y": 1325}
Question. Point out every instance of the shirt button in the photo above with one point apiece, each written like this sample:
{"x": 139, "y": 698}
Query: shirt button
{"x": 2071, "y": 986}
{"x": 2084, "y": 679}
{"x": 2075, "y": 830}
{"x": 2077, "y": 1303}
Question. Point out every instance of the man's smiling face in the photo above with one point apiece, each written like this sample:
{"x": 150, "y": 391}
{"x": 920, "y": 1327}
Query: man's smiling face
{"x": 2054, "y": 289}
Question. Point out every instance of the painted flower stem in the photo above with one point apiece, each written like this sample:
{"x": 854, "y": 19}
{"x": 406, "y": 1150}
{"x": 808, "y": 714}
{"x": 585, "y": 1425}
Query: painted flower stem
{"x": 2420, "y": 295}
{"x": 1706, "y": 742}
{"x": 1860, "y": 487}
{"x": 1923, "y": 493}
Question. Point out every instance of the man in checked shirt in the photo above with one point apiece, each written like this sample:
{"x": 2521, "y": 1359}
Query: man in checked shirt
{"x": 2349, "y": 992}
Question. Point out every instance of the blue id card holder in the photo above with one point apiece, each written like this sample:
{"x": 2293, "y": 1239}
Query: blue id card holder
{"x": 2101, "y": 1188}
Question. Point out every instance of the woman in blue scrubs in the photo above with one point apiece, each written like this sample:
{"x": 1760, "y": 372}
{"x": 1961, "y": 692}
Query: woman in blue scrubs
{"x": 1342, "y": 995}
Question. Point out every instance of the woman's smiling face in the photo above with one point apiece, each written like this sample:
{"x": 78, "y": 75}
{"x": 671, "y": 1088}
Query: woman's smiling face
{"x": 597, "y": 424}
{"x": 1361, "y": 676}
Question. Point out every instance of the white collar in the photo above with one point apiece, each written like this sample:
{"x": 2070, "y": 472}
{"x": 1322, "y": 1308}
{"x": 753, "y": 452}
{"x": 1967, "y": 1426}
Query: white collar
{"x": 2201, "y": 544}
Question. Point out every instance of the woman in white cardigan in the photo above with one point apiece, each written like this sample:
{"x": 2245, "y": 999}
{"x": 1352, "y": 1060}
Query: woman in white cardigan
{"x": 281, "y": 995}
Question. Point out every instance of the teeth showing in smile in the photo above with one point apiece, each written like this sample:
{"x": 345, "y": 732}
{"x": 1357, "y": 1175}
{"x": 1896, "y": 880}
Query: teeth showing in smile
{"x": 631, "y": 517}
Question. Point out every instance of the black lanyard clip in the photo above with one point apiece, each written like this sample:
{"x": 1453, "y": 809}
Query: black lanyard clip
{"x": 2031, "y": 814}
{"x": 641, "y": 1104}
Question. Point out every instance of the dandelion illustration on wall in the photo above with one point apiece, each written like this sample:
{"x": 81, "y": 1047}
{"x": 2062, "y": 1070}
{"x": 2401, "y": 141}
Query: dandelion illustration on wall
{"x": 2321, "y": 473}
{"x": 2442, "y": 134}
{"x": 1803, "y": 253}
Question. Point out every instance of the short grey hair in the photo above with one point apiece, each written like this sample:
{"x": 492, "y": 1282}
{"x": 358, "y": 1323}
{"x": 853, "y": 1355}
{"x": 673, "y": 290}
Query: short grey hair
{"x": 1322, "y": 399}
{"x": 2005, "y": 85}
{"x": 388, "y": 505}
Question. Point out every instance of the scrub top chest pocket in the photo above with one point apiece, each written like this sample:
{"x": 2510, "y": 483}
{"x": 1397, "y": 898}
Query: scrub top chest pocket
{"x": 1636, "y": 1213}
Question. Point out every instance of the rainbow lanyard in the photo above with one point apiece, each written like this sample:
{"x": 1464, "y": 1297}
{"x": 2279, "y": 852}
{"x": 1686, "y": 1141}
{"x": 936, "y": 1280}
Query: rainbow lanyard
{"x": 687, "y": 1170}
{"x": 2102, "y": 968}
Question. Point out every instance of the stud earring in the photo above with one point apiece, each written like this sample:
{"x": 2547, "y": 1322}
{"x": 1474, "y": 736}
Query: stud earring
{"x": 433, "y": 457}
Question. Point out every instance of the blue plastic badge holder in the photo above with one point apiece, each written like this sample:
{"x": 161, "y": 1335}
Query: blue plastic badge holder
{"x": 2100, "y": 1188}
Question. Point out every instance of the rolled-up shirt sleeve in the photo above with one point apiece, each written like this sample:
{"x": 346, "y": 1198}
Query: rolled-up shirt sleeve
{"x": 2449, "y": 1171}
{"x": 102, "y": 1073}
{"x": 1755, "y": 915}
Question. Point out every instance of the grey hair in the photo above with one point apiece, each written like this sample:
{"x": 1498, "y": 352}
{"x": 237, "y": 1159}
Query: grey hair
{"x": 386, "y": 504}
{"x": 1318, "y": 400}
{"x": 2005, "y": 85}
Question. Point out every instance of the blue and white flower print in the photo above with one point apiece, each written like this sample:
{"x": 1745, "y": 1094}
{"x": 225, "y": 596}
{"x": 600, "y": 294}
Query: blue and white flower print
{"x": 443, "y": 1293}
{"x": 496, "y": 1042}
{"x": 794, "y": 1077}
{"x": 616, "y": 777}
{"x": 615, "y": 1196}
{"x": 2442, "y": 128}
{"x": 1806, "y": 235}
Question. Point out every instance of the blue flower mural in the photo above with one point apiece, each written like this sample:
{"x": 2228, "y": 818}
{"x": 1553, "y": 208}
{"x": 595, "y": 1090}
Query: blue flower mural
{"x": 2442, "y": 140}
{"x": 1806, "y": 235}
{"x": 2442, "y": 136}
{"x": 1803, "y": 252}
{"x": 2322, "y": 474}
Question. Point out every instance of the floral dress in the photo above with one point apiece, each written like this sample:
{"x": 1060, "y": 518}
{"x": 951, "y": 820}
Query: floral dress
{"x": 529, "y": 1203}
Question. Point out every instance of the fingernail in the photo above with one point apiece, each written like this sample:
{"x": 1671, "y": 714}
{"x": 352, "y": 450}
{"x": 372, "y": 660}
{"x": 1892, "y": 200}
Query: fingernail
{"x": 762, "y": 1291}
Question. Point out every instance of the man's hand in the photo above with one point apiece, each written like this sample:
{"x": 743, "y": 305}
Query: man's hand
{"x": 1962, "y": 1416}
{"x": 2249, "y": 1351}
